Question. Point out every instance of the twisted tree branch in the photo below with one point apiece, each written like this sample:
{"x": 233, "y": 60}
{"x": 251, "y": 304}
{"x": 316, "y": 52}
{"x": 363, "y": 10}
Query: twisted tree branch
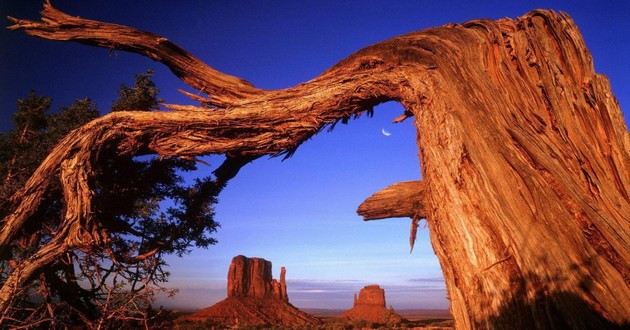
{"x": 57, "y": 25}
{"x": 258, "y": 123}
{"x": 522, "y": 137}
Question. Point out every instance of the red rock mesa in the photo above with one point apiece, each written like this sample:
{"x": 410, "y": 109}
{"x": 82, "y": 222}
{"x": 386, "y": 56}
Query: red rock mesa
{"x": 254, "y": 298}
{"x": 251, "y": 277}
{"x": 370, "y": 306}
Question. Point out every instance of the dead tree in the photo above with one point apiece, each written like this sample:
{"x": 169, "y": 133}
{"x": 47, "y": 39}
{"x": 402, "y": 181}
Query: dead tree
{"x": 525, "y": 157}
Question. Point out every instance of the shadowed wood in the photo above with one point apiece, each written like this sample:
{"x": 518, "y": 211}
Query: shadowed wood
{"x": 525, "y": 157}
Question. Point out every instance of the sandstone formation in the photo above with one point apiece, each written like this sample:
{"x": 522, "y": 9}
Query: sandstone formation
{"x": 254, "y": 298}
{"x": 251, "y": 277}
{"x": 370, "y": 306}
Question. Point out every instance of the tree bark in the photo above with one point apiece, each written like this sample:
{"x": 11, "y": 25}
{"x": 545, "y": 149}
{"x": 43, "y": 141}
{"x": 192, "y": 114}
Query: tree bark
{"x": 525, "y": 155}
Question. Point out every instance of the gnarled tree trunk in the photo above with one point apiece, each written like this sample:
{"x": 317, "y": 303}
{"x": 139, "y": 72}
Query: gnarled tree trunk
{"x": 524, "y": 152}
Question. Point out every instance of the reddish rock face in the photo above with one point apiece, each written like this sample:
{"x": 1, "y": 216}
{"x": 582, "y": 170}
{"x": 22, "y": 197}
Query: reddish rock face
{"x": 280, "y": 288}
{"x": 254, "y": 298}
{"x": 251, "y": 277}
{"x": 369, "y": 305}
{"x": 371, "y": 295}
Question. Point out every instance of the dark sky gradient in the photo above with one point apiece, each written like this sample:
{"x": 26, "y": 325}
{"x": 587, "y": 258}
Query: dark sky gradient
{"x": 299, "y": 213}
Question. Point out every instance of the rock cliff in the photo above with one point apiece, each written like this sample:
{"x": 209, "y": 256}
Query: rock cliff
{"x": 254, "y": 298}
{"x": 369, "y": 305}
{"x": 251, "y": 277}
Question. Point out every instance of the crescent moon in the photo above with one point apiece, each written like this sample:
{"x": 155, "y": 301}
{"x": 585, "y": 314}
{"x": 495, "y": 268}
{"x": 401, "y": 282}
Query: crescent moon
{"x": 386, "y": 133}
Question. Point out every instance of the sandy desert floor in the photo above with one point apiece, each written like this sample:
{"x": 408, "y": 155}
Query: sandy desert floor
{"x": 416, "y": 319}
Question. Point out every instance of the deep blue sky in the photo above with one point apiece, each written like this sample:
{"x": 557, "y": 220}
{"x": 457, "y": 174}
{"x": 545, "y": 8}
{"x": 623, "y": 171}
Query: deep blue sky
{"x": 299, "y": 213}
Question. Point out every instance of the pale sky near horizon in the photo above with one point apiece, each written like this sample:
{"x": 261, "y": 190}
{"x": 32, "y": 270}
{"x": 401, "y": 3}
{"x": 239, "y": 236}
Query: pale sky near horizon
{"x": 299, "y": 213}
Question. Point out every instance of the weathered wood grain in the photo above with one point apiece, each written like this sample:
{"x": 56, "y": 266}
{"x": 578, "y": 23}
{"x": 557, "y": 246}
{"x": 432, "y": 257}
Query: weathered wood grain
{"x": 525, "y": 156}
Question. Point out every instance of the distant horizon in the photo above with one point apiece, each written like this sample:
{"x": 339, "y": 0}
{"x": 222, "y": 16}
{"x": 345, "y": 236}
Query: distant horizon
{"x": 303, "y": 293}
